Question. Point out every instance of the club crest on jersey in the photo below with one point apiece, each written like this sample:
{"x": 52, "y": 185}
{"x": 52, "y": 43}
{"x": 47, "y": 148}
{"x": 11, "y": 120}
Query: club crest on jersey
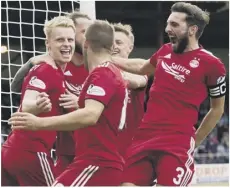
{"x": 35, "y": 82}
{"x": 76, "y": 89}
{"x": 194, "y": 63}
{"x": 95, "y": 90}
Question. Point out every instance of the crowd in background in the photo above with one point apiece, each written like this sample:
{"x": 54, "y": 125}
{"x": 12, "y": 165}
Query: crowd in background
{"x": 215, "y": 148}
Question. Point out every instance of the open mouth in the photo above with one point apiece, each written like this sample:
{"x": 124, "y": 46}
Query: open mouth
{"x": 173, "y": 39}
{"x": 66, "y": 52}
{"x": 115, "y": 52}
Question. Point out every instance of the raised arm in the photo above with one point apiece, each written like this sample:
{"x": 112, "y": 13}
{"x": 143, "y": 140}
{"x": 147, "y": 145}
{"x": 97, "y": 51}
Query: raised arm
{"x": 135, "y": 81}
{"x": 16, "y": 84}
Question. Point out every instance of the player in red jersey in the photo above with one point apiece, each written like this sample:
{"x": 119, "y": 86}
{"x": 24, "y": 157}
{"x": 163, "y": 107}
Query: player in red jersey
{"x": 102, "y": 113}
{"x": 124, "y": 41}
{"x": 185, "y": 74}
{"x": 75, "y": 75}
{"x": 26, "y": 157}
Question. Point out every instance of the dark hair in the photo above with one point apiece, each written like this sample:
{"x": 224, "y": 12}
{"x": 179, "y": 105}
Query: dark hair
{"x": 76, "y": 14}
{"x": 195, "y": 15}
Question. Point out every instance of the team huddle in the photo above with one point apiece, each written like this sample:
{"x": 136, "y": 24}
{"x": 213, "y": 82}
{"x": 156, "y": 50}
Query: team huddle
{"x": 86, "y": 96}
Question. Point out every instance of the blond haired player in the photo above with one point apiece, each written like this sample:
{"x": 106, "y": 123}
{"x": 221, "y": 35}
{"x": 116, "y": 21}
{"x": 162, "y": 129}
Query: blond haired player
{"x": 75, "y": 75}
{"x": 97, "y": 122}
{"x": 26, "y": 157}
{"x": 124, "y": 42}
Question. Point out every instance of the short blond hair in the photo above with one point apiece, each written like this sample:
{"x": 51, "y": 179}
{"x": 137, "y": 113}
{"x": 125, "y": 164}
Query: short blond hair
{"x": 100, "y": 35}
{"x": 126, "y": 29}
{"x": 59, "y": 21}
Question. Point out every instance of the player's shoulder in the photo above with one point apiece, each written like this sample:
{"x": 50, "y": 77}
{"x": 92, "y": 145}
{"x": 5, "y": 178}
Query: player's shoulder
{"x": 40, "y": 74}
{"x": 107, "y": 68}
{"x": 167, "y": 46}
{"x": 43, "y": 67}
{"x": 208, "y": 57}
{"x": 165, "y": 50}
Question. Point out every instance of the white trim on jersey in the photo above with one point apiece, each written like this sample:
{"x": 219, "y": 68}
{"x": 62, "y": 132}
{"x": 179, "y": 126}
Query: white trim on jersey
{"x": 124, "y": 111}
{"x": 84, "y": 176}
{"x": 188, "y": 163}
{"x": 208, "y": 52}
{"x": 46, "y": 168}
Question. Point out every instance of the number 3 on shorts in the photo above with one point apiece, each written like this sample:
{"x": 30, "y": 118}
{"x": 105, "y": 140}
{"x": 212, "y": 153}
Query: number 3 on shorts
{"x": 178, "y": 179}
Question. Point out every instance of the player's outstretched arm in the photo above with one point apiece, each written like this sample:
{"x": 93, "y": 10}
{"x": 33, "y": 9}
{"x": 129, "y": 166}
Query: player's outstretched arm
{"x": 16, "y": 84}
{"x": 35, "y": 102}
{"x": 135, "y": 81}
{"x": 80, "y": 118}
{"x": 211, "y": 119}
{"x": 135, "y": 66}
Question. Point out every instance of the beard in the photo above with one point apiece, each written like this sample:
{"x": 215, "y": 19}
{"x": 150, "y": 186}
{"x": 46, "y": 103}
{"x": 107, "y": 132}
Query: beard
{"x": 85, "y": 60}
{"x": 182, "y": 43}
{"x": 78, "y": 48}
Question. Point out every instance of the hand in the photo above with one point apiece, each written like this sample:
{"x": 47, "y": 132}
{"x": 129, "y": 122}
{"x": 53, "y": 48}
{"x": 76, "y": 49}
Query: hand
{"x": 43, "y": 58}
{"x": 24, "y": 121}
{"x": 43, "y": 102}
{"x": 69, "y": 100}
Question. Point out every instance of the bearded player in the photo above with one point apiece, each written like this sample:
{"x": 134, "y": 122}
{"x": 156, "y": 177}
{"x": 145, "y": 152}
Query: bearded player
{"x": 185, "y": 74}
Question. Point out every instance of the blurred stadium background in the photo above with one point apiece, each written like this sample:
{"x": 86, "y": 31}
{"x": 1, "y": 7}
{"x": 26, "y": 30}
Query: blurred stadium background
{"x": 22, "y": 37}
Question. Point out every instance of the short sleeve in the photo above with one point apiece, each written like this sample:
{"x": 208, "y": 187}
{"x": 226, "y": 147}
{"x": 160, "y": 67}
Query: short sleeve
{"x": 154, "y": 57}
{"x": 39, "y": 80}
{"x": 101, "y": 85}
{"x": 216, "y": 79}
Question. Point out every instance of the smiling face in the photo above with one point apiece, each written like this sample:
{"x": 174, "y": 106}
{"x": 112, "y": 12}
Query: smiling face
{"x": 122, "y": 45}
{"x": 178, "y": 31}
{"x": 61, "y": 44}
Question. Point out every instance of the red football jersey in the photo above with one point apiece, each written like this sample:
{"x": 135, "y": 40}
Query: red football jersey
{"x": 98, "y": 142}
{"x": 135, "y": 112}
{"x": 74, "y": 78}
{"x": 41, "y": 78}
{"x": 181, "y": 83}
